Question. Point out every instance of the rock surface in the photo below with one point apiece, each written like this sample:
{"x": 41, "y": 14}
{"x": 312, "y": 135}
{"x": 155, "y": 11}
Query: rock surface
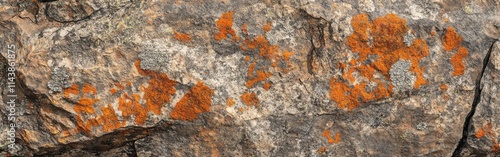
{"x": 251, "y": 78}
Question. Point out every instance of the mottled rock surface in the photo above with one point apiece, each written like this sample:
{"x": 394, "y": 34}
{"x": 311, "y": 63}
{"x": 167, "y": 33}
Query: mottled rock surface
{"x": 251, "y": 78}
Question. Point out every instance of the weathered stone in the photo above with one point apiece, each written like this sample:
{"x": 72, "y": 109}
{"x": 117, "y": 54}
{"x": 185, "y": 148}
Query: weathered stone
{"x": 251, "y": 78}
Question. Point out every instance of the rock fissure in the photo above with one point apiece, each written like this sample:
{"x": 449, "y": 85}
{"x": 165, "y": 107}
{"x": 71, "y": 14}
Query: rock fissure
{"x": 475, "y": 102}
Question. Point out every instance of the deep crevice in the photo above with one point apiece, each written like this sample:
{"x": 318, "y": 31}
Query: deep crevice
{"x": 475, "y": 102}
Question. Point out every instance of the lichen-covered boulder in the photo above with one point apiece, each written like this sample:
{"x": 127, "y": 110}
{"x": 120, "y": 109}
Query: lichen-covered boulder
{"x": 249, "y": 78}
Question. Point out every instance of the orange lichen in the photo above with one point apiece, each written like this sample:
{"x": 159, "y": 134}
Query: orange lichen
{"x": 267, "y": 27}
{"x": 230, "y": 102}
{"x": 250, "y": 99}
{"x": 480, "y": 133}
{"x": 244, "y": 28}
{"x": 87, "y": 88}
{"x": 321, "y": 150}
{"x": 109, "y": 119}
{"x": 196, "y": 101}
{"x": 85, "y": 105}
{"x": 259, "y": 42}
{"x": 71, "y": 90}
{"x": 251, "y": 68}
{"x": 443, "y": 87}
{"x": 331, "y": 140}
{"x": 130, "y": 106}
{"x": 457, "y": 61}
{"x": 267, "y": 86}
{"x": 261, "y": 76}
{"x": 495, "y": 146}
{"x": 159, "y": 90}
{"x": 451, "y": 40}
{"x": 383, "y": 38}
{"x": 112, "y": 91}
{"x": 487, "y": 131}
{"x": 120, "y": 86}
{"x": 225, "y": 26}
{"x": 182, "y": 37}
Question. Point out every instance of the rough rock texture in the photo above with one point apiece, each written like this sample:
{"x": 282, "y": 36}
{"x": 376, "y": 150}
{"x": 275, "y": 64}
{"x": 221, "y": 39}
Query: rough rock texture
{"x": 252, "y": 78}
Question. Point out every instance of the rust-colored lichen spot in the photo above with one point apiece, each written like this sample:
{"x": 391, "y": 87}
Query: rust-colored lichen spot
{"x": 230, "y": 102}
{"x": 443, "y": 87}
{"x": 261, "y": 76}
{"x": 487, "y": 131}
{"x": 244, "y": 28}
{"x": 112, "y": 91}
{"x": 271, "y": 53}
{"x": 267, "y": 86}
{"x": 225, "y": 26}
{"x": 321, "y": 150}
{"x": 331, "y": 140}
{"x": 383, "y": 38}
{"x": 457, "y": 61}
{"x": 480, "y": 133}
{"x": 182, "y": 37}
{"x": 87, "y": 88}
{"x": 451, "y": 40}
{"x": 267, "y": 27}
{"x": 196, "y": 101}
{"x": 250, "y": 99}
{"x": 84, "y": 107}
{"x": 130, "y": 107}
{"x": 71, "y": 90}
{"x": 159, "y": 90}
{"x": 109, "y": 120}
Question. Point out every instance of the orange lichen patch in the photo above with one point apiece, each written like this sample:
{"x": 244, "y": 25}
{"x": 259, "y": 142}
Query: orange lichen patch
{"x": 480, "y": 133}
{"x": 383, "y": 38}
{"x": 225, "y": 26}
{"x": 267, "y": 86}
{"x": 244, "y": 28}
{"x": 443, "y": 87}
{"x": 87, "y": 88}
{"x": 260, "y": 42}
{"x": 251, "y": 68}
{"x": 120, "y": 86}
{"x": 495, "y": 146}
{"x": 182, "y": 37}
{"x": 230, "y": 102}
{"x": 159, "y": 90}
{"x": 250, "y": 99}
{"x": 331, "y": 140}
{"x": 267, "y": 27}
{"x": 130, "y": 106}
{"x": 352, "y": 97}
{"x": 196, "y": 101}
{"x": 128, "y": 83}
{"x": 85, "y": 105}
{"x": 71, "y": 90}
{"x": 457, "y": 61}
{"x": 451, "y": 40}
{"x": 487, "y": 129}
{"x": 321, "y": 150}
{"x": 261, "y": 76}
{"x": 112, "y": 91}
{"x": 109, "y": 119}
